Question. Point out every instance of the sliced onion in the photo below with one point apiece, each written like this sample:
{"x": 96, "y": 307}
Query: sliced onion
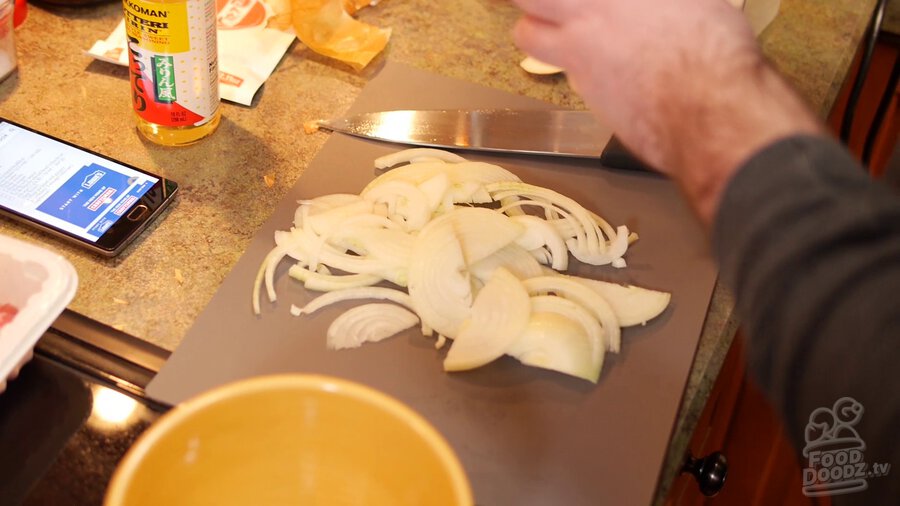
{"x": 391, "y": 270}
{"x": 389, "y": 263}
{"x": 368, "y": 323}
{"x": 603, "y": 224}
{"x": 413, "y": 226}
{"x": 413, "y": 174}
{"x": 332, "y": 219}
{"x": 403, "y": 199}
{"x": 577, "y": 233}
{"x": 413, "y": 154}
{"x": 438, "y": 280}
{"x": 612, "y": 255}
{"x": 329, "y": 201}
{"x": 552, "y": 341}
{"x": 257, "y": 283}
{"x": 466, "y": 178}
{"x": 289, "y": 240}
{"x": 591, "y": 231}
{"x": 500, "y": 314}
{"x": 511, "y": 257}
{"x": 590, "y": 243}
{"x": 578, "y": 314}
{"x": 347, "y": 236}
{"x": 534, "y": 66}
{"x": 364, "y": 235}
{"x": 539, "y": 233}
{"x": 305, "y": 245}
{"x": 434, "y": 189}
{"x": 566, "y": 286}
{"x": 266, "y": 275}
{"x": 322, "y": 203}
{"x": 481, "y": 232}
{"x": 329, "y": 282}
{"x": 373, "y": 292}
{"x": 633, "y": 305}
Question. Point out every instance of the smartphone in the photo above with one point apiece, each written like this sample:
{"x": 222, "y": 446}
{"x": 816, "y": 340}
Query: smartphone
{"x": 74, "y": 193}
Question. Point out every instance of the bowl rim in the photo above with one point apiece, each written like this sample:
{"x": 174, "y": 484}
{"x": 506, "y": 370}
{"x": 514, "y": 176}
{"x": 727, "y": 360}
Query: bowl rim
{"x": 128, "y": 466}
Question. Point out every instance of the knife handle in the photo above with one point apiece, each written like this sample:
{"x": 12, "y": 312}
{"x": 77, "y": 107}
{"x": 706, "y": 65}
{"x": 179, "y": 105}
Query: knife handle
{"x": 617, "y": 156}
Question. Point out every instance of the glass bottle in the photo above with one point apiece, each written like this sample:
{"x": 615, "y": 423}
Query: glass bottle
{"x": 173, "y": 62}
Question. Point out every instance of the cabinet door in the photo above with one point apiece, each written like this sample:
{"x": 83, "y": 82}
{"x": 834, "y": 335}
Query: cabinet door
{"x": 713, "y": 425}
{"x": 763, "y": 466}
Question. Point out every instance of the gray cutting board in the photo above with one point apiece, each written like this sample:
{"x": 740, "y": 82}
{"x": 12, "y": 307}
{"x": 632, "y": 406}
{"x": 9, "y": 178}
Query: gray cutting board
{"x": 525, "y": 436}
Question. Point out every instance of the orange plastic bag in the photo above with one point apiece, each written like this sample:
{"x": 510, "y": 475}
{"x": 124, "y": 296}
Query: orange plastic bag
{"x": 327, "y": 28}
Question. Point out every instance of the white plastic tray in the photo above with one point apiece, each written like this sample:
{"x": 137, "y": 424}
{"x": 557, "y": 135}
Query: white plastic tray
{"x": 35, "y": 286}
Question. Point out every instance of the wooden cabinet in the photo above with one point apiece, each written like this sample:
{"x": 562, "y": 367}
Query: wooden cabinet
{"x": 877, "y": 86}
{"x": 713, "y": 426}
{"x": 763, "y": 466}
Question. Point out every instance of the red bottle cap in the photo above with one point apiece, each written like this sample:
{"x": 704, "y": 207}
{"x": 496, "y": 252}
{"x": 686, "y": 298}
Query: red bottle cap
{"x": 19, "y": 13}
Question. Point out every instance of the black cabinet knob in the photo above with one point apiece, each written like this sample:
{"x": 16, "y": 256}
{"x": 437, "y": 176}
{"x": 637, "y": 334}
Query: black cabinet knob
{"x": 710, "y": 472}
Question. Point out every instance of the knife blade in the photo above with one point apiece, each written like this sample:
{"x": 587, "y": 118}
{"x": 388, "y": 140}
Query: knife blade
{"x": 536, "y": 132}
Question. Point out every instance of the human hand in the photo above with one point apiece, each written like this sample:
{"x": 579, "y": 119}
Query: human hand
{"x": 682, "y": 82}
{"x": 627, "y": 58}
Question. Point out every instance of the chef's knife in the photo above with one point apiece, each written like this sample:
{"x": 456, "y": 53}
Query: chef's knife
{"x": 535, "y": 132}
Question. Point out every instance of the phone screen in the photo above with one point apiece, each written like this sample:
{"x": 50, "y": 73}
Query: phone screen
{"x": 65, "y": 187}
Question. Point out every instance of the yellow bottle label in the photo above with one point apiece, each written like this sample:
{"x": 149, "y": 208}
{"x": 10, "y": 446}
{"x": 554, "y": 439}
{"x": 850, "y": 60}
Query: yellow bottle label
{"x": 173, "y": 60}
{"x": 162, "y": 28}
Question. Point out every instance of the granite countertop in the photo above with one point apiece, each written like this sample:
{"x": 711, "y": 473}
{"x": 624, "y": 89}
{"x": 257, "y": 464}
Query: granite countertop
{"x": 158, "y": 286}
{"x": 891, "y": 22}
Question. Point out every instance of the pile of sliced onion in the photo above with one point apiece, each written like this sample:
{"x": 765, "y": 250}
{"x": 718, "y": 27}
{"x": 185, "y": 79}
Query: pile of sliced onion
{"x": 469, "y": 252}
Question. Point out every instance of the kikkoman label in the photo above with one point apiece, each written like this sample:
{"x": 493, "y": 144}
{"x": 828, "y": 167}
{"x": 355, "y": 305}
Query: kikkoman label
{"x": 162, "y": 28}
{"x": 173, "y": 61}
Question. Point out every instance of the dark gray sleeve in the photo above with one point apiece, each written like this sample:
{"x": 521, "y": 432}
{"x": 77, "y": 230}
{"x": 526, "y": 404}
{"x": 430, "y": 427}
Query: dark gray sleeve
{"x": 811, "y": 247}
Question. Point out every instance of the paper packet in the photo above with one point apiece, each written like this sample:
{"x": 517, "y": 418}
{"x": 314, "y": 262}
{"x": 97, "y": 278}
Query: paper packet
{"x": 253, "y": 36}
{"x": 249, "y": 49}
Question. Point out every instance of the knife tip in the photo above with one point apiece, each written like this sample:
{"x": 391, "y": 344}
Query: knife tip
{"x": 314, "y": 125}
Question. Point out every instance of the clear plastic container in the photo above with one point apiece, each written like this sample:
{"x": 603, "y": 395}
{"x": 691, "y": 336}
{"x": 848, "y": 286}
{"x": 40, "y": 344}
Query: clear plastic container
{"x": 36, "y": 285}
{"x": 7, "y": 39}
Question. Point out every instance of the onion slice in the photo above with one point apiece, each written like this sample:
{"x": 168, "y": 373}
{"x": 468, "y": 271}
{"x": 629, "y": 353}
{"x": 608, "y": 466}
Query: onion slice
{"x": 511, "y": 257}
{"x": 368, "y": 323}
{"x": 438, "y": 282}
{"x": 500, "y": 314}
{"x": 371, "y": 292}
{"x": 566, "y": 286}
{"x": 633, "y": 305}
{"x": 539, "y": 233}
{"x": 481, "y": 232}
{"x": 314, "y": 280}
{"x": 413, "y": 154}
{"x": 552, "y": 341}
{"x": 403, "y": 199}
{"x": 579, "y": 315}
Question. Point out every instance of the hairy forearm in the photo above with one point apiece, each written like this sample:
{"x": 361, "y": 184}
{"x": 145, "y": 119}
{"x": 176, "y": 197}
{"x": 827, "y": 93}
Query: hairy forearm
{"x": 700, "y": 133}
